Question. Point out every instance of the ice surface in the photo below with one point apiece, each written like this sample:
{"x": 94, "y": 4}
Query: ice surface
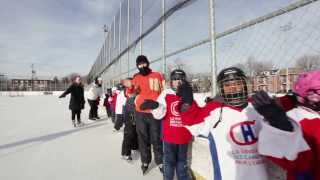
{"x": 38, "y": 142}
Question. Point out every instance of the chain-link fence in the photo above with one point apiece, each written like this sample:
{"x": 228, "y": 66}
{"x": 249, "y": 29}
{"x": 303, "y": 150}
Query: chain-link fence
{"x": 272, "y": 41}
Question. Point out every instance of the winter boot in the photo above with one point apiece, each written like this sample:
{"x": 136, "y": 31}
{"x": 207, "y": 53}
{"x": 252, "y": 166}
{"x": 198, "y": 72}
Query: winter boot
{"x": 144, "y": 168}
{"x": 160, "y": 168}
{"x": 74, "y": 123}
{"x": 79, "y": 124}
{"x": 127, "y": 158}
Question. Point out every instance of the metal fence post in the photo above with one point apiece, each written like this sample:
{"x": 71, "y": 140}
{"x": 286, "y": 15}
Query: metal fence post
{"x": 213, "y": 47}
{"x": 141, "y": 24}
{"x": 128, "y": 37}
{"x": 287, "y": 80}
{"x": 119, "y": 50}
{"x": 164, "y": 66}
{"x": 114, "y": 37}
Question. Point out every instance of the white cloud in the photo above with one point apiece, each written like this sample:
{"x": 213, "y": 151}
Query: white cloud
{"x": 60, "y": 37}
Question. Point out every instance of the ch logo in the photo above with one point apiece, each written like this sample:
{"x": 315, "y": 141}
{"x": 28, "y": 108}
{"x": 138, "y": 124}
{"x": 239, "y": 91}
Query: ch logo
{"x": 174, "y": 108}
{"x": 243, "y": 133}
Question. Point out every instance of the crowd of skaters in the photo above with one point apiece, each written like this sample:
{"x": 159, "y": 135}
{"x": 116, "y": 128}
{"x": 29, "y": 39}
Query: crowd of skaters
{"x": 244, "y": 131}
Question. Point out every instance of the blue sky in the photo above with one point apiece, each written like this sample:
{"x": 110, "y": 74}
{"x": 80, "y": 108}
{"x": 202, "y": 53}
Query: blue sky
{"x": 58, "y": 36}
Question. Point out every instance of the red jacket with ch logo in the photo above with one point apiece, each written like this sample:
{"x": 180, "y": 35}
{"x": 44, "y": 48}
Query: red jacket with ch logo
{"x": 173, "y": 130}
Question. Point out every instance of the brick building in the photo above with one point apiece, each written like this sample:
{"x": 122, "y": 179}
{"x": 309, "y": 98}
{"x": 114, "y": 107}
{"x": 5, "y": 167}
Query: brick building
{"x": 275, "y": 81}
{"x": 31, "y": 84}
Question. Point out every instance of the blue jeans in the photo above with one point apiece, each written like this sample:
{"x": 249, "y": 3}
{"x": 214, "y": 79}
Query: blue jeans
{"x": 175, "y": 159}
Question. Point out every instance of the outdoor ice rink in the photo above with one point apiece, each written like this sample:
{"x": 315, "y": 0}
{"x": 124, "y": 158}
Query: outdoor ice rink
{"x": 38, "y": 142}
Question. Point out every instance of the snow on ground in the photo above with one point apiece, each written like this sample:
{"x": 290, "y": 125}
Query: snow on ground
{"x": 38, "y": 142}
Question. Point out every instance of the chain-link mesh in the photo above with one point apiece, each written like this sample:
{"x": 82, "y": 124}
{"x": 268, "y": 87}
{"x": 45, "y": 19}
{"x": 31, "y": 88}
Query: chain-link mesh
{"x": 272, "y": 41}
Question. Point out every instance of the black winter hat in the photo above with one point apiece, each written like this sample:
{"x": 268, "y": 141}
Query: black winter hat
{"x": 142, "y": 59}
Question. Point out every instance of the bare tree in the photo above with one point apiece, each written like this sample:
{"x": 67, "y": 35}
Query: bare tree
{"x": 308, "y": 62}
{"x": 177, "y": 64}
{"x": 72, "y": 76}
{"x": 253, "y": 67}
{"x": 65, "y": 80}
{"x": 55, "y": 79}
{"x": 85, "y": 79}
{"x": 68, "y": 78}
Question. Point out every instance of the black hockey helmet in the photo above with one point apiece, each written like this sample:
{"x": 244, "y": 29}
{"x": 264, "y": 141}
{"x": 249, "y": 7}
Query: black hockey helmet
{"x": 178, "y": 74}
{"x": 237, "y": 95}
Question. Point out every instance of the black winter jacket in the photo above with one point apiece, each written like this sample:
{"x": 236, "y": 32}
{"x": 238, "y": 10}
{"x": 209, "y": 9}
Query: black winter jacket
{"x": 77, "y": 96}
{"x": 129, "y": 111}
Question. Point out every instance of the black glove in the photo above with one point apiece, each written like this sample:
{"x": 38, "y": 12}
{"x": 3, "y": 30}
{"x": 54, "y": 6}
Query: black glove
{"x": 216, "y": 98}
{"x": 184, "y": 107}
{"x": 271, "y": 111}
{"x": 185, "y": 92}
{"x": 149, "y": 104}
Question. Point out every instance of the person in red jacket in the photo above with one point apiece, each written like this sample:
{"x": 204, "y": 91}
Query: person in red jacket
{"x": 240, "y": 131}
{"x": 112, "y": 101}
{"x": 175, "y": 137}
{"x": 106, "y": 102}
{"x": 148, "y": 84}
{"x": 304, "y": 165}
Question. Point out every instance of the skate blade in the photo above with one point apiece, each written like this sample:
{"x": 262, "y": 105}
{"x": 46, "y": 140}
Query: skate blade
{"x": 145, "y": 172}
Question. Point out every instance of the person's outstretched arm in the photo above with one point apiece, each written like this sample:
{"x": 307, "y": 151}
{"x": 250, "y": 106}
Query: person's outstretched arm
{"x": 66, "y": 92}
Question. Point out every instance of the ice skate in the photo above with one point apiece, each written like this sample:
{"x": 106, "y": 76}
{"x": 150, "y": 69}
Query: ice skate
{"x": 144, "y": 168}
{"x": 80, "y": 124}
{"x": 160, "y": 168}
{"x": 74, "y": 124}
{"x": 127, "y": 158}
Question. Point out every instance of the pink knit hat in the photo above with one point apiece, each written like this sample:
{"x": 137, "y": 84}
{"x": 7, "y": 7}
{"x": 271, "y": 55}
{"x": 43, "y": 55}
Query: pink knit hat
{"x": 307, "y": 81}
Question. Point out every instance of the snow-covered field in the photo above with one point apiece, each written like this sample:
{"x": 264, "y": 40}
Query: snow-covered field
{"x": 38, "y": 142}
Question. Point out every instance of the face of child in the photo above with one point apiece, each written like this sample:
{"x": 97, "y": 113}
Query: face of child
{"x": 176, "y": 83}
{"x": 313, "y": 95}
{"x": 233, "y": 86}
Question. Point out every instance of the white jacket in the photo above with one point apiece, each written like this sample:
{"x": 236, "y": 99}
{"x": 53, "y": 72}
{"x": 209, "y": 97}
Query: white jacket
{"x": 121, "y": 101}
{"x": 234, "y": 145}
{"x": 94, "y": 92}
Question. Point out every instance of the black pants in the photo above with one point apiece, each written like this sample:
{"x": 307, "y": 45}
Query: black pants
{"x": 75, "y": 113}
{"x": 148, "y": 130}
{"x": 130, "y": 139}
{"x": 93, "y": 113}
{"x": 113, "y": 116}
{"x": 119, "y": 121}
{"x": 108, "y": 109}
